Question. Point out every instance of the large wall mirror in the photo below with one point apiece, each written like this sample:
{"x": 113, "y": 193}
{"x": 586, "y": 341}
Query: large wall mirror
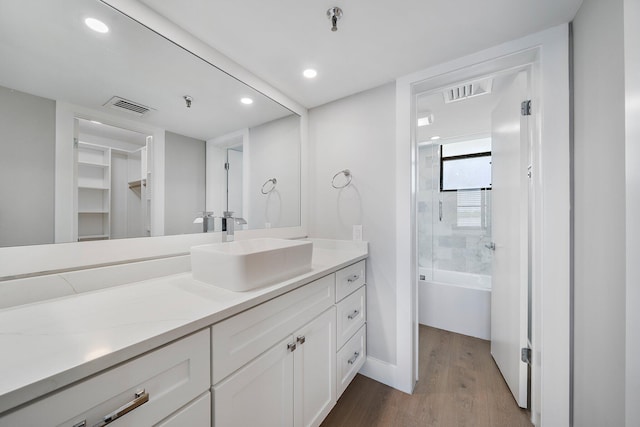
{"x": 121, "y": 134}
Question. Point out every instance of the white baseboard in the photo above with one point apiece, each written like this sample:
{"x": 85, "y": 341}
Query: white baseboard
{"x": 383, "y": 372}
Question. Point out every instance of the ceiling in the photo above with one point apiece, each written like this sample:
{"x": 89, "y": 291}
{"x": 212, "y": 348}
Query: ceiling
{"x": 376, "y": 41}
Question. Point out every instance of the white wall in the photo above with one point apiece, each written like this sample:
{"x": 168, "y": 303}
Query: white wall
{"x": 599, "y": 356}
{"x": 27, "y": 143}
{"x": 184, "y": 183}
{"x": 273, "y": 151}
{"x": 358, "y": 133}
{"x": 632, "y": 91}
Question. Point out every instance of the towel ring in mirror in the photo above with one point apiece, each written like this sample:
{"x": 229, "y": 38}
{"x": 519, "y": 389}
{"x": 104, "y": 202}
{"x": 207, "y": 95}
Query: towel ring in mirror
{"x": 273, "y": 182}
{"x": 347, "y": 175}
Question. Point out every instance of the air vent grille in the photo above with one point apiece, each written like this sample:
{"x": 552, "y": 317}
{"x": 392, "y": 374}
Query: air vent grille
{"x": 128, "y": 106}
{"x": 468, "y": 90}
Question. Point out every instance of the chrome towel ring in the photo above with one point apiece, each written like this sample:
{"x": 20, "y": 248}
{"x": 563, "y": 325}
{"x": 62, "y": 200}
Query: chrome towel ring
{"x": 273, "y": 182}
{"x": 347, "y": 175}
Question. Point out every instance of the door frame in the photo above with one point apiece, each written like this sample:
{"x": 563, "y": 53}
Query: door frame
{"x": 550, "y": 217}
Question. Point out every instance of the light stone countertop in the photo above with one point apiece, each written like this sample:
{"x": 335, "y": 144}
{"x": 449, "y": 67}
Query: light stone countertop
{"x": 48, "y": 345}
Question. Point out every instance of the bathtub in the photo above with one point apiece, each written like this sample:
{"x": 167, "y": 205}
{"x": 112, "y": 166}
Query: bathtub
{"x": 457, "y": 302}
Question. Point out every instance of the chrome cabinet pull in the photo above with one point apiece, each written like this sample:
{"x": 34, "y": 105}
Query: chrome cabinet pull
{"x": 141, "y": 397}
{"x": 353, "y": 278}
{"x": 291, "y": 346}
{"x": 353, "y": 315}
{"x": 82, "y": 423}
{"x": 301, "y": 340}
{"x": 353, "y": 358}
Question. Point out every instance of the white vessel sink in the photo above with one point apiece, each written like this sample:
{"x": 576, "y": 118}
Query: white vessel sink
{"x": 249, "y": 264}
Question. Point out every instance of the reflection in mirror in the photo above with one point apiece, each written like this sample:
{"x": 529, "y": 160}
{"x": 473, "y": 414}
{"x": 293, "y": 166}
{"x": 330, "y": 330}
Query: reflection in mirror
{"x": 147, "y": 169}
{"x": 249, "y": 159}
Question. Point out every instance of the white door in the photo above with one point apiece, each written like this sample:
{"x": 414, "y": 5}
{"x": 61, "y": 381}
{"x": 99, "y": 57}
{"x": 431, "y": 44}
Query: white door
{"x": 315, "y": 370}
{"x": 509, "y": 295}
{"x": 260, "y": 393}
{"x": 234, "y": 182}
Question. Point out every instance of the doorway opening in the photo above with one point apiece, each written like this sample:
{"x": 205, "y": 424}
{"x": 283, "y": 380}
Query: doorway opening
{"x": 473, "y": 150}
{"x": 112, "y": 196}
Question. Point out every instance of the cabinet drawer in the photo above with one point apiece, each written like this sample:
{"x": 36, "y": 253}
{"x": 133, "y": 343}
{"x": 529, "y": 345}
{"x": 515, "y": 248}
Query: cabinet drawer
{"x": 195, "y": 414}
{"x": 172, "y": 376}
{"x": 243, "y": 337}
{"x": 349, "y": 279}
{"x": 351, "y": 315}
{"x": 350, "y": 359}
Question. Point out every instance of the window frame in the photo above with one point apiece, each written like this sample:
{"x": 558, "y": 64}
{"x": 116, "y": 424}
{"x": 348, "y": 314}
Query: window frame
{"x": 460, "y": 157}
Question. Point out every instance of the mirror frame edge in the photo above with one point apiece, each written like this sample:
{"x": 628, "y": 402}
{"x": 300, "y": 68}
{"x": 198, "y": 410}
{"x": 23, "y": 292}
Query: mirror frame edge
{"x": 36, "y": 260}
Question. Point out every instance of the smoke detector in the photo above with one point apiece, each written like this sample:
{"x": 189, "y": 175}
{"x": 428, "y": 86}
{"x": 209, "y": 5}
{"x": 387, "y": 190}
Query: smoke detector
{"x": 131, "y": 107}
{"x": 468, "y": 90}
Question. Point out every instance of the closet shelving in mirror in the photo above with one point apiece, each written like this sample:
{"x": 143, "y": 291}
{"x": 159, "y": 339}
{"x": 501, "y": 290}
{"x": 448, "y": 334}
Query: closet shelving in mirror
{"x": 93, "y": 191}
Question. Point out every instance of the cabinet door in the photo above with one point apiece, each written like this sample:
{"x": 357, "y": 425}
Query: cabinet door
{"x": 258, "y": 394}
{"x": 315, "y": 370}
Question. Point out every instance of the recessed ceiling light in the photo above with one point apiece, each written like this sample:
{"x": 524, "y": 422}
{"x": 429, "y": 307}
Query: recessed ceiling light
{"x": 247, "y": 101}
{"x": 96, "y": 25}
{"x": 435, "y": 138}
{"x": 310, "y": 73}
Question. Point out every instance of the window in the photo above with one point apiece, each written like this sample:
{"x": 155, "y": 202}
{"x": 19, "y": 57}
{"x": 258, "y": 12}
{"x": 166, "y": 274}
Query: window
{"x": 465, "y": 166}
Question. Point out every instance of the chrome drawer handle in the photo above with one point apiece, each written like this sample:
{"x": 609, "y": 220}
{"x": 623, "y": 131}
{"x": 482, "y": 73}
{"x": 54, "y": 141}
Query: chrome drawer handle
{"x": 291, "y": 346}
{"x": 353, "y": 358}
{"x": 353, "y": 278}
{"x": 301, "y": 340}
{"x": 353, "y": 315}
{"x": 141, "y": 397}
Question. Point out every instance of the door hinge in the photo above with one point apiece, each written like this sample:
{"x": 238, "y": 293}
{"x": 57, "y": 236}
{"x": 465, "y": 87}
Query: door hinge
{"x": 525, "y": 355}
{"x": 525, "y": 108}
{"x": 226, "y": 166}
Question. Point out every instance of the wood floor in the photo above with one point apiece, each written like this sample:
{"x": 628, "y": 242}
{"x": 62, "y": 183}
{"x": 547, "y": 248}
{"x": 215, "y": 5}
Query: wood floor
{"x": 459, "y": 385}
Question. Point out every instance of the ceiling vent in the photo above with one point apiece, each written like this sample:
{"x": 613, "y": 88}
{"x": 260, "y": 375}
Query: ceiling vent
{"x": 468, "y": 90}
{"x": 128, "y": 106}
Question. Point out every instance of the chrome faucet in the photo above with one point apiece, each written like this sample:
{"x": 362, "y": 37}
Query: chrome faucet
{"x": 228, "y": 225}
{"x": 206, "y": 219}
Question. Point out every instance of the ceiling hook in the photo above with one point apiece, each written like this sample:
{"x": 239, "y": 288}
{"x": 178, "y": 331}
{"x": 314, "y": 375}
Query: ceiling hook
{"x": 334, "y": 14}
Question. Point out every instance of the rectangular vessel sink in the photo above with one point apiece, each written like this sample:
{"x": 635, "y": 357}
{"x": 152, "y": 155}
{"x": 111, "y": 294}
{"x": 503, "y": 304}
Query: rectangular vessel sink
{"x": 249, "y": 264}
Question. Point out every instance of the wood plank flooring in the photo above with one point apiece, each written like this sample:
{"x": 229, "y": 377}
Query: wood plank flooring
{"x": 459, "y": 386}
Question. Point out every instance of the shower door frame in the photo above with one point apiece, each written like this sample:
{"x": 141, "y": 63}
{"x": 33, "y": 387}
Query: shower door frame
{"x": 548, "y": 53}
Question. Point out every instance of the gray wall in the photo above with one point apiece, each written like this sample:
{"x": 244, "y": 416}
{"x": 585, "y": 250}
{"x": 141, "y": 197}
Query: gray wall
{"x": 632, "y": 170}
{"x": 274, "y": 152}
{"x": 599, "y": 362}
{"x": 358, "y": 133}
{"x": 27, "y": 142}
{"x": 184, "y": 183}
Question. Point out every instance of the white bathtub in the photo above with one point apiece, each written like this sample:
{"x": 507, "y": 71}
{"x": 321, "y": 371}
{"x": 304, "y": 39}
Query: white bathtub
{"x": 457, "y": 302}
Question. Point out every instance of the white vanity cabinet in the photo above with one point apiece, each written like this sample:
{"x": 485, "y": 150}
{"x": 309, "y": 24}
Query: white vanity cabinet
{"x": 285, "y": 362}
{"x": 289, "y": 379}
{"x": 352, "y": 329}
{"x": 164, "y": 386}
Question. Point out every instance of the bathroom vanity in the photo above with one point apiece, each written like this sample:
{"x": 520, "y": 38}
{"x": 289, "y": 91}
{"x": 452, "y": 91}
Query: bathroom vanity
{"x": 173, "y": 351}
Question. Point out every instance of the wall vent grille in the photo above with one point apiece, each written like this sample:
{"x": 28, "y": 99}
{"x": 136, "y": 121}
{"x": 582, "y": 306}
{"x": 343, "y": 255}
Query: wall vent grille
{"x": 128, "y": 106}
{"x": 468, "y": 90}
